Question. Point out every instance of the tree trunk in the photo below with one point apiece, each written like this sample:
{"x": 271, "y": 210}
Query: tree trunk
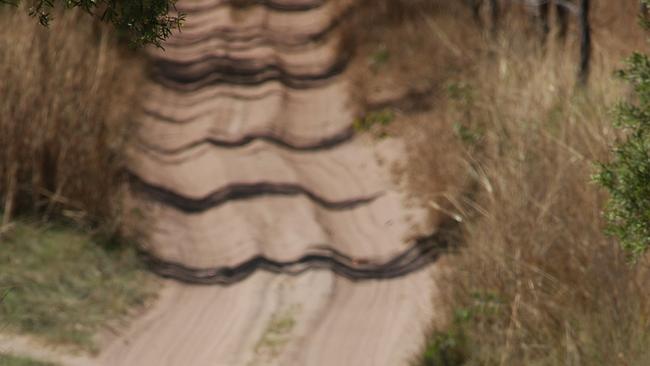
{"x": 585, "y": 42}
{"x": 494, "y": 15}
{"x": 562, "y": 15}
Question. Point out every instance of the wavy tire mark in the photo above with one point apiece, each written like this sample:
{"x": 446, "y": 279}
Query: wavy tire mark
{"x": 237, "y": 191}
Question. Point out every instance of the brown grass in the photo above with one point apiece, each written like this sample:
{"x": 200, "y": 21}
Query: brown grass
{"x": 509, "y": 146}
{"x": 67, "y": 107}
{"x": 541, "y": 281}
{"x": 402, "y": 48}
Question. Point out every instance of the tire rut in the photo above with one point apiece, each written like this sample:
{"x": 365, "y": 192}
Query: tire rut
{"x": 281, "y": 233}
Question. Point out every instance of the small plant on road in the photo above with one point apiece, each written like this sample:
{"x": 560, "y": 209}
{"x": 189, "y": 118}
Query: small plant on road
{"x": 375, "y": 121}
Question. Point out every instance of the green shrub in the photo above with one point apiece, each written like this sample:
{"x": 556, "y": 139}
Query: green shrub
{"x": 627, "y": 175}
{"x": 142, "y": 22}
{"x": 447, "y": 348}
{"x": 444, "y": 349}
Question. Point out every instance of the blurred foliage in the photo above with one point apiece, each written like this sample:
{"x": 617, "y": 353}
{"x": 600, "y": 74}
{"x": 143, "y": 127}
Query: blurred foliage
{"x": 382, "y": 117}
{"x": 627, "y": 175}
{"x": 63, "y": 285}
{"x": 10, "y": 360}
{"x": 142, "y": 22}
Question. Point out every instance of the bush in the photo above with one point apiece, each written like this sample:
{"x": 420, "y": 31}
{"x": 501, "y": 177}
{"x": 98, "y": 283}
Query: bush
{"x": 627, "y": 175}
{"x": 142, "y": 22}
{"x": 69, "y": 95}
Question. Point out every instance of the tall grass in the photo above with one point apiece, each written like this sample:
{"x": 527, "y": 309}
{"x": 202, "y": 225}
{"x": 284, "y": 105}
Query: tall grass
{"x": 69, "y": 96}
{"x": 508, "y": 148}
{"x": 538, "y": 279}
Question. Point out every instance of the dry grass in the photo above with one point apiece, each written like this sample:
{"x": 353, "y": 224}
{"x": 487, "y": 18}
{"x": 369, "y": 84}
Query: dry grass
{"x": 68, "y": 98}
{"x": 509, "y": 146}
{"x": 404, "y": 51}
{"x": 540, "y": 281}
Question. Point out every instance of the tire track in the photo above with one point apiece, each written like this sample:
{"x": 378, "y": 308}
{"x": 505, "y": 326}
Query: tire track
{"x": 333, "y": 174}
{"x": 285, "y": 240}
{"x": 229, "y": 74}
{"x": 424, "y": 252}
{"x": 234, "y": 192}
{"x": 270, "y": 27}
{"x": 276, "y": 227}
{"x": 325, "y": 143}
{"x": 285, "y": 6}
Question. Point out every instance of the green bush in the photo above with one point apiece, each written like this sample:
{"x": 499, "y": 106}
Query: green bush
{"x": 444, "y": 349}
{"x": 142, "y": 22}
{"x": 627, "y": 175}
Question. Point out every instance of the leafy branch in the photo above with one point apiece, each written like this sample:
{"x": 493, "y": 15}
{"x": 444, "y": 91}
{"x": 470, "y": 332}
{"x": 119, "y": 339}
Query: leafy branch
{"x": 142, "y": 22}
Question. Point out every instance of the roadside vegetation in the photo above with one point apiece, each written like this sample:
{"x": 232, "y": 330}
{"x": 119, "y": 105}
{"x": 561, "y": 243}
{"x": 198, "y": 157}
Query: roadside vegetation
{"x": 64, "y": 286}
{"x": 507, "y": 145}
{"x": 141, "y": 22}
{"x": 627, "y": 175}
{"x": 69, "y": 105}
{"x": 9, "y": 360}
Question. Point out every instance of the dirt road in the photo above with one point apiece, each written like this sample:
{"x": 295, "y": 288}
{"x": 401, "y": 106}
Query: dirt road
{"x": 289, "y": 242}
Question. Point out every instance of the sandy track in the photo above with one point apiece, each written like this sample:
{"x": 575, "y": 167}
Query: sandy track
{"x": 246, "y": 158}
{"x": 249, "y": 228}
{"x": 231, "y": 113}
{"x": 335, "y": 175}
{"x": 313, "y": 319}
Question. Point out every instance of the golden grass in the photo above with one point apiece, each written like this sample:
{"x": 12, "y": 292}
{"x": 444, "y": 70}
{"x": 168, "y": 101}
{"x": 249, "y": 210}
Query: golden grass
{"x": 69, "y": 96}
{"x": 541, "y": 282}
{"x": 508, "y": 146}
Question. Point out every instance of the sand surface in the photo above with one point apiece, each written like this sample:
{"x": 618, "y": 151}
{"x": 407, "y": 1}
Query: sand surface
{"x": 246, "y": 151}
